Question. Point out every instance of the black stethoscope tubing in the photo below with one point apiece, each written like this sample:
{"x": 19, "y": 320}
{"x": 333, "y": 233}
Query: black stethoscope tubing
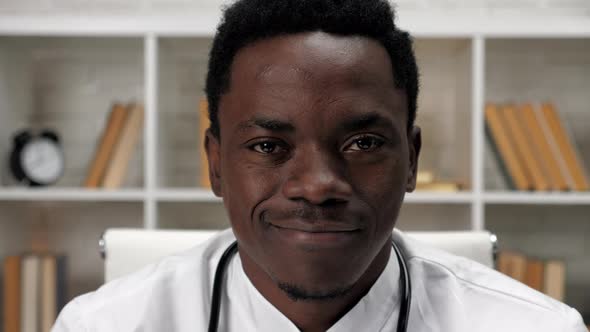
{"x": 405, "y": 286}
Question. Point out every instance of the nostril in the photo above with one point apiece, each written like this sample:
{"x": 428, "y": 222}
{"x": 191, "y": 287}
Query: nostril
{"x": 332, "y": 202}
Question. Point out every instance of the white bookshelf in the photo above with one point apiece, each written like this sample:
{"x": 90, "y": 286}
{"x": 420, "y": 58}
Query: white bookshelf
{"x": 465, "y": 61}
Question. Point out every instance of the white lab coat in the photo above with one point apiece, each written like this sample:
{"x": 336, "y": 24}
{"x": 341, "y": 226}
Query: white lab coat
{"x": 449, "y": 294}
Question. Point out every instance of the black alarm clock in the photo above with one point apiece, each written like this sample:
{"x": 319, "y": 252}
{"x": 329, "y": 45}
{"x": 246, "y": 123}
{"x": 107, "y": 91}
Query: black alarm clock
{"x": 37, "y": 159}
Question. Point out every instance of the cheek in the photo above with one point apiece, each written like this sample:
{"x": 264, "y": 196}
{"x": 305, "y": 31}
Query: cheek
{"x": 382, "y": 186}
{"x": 244, "y": 187}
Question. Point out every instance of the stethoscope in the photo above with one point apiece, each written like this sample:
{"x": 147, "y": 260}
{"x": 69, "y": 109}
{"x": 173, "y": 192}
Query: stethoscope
{"x": 406, "y": 289}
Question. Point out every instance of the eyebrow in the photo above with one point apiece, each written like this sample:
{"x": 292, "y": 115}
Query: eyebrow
{"x": 268, "y": 124}
{"x": 365, "y": 121}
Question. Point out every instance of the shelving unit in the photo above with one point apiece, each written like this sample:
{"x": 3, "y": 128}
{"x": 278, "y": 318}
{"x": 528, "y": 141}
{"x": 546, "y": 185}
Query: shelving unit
{"x": 66, "y": 72}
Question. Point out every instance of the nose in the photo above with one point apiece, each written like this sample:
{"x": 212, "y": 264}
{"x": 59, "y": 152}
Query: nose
{"x": 317, "y": 177}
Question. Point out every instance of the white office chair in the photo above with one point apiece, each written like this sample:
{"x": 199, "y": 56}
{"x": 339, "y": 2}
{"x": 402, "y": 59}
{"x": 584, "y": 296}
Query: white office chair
{"x": 127, "y": 250}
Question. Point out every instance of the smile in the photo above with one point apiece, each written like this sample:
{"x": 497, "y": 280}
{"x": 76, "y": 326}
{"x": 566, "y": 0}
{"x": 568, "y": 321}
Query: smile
{"x": 317, "y": 235}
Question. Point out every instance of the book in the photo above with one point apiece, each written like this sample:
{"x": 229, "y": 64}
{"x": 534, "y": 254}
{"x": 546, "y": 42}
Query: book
{"x": 523, "y": 131}
{"x": 555, "y": 179}
{"x": 439, "y": 186}
{"x": 519, "y": 142}
{"x": 204, "y": 124}
{"x": 502, "y": 143}
{"x": 105, "y": 148}
{"x": 535, "y": 274}
{"x": 554, "y": 281}
{"x": 12, "y": 296}
{"x": 48, "y": 292}
{"x": 29, "y": 294}
{"x": 513, "y": 265}
{"x": 124, "y": 148}
{"x": 563, "y": 148}
{"x": 62, "y": 296}
{"x": 425, "y": 177}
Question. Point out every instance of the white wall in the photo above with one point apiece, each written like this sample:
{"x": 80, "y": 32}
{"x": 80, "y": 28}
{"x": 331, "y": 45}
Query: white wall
{"x": 125, "y": 7}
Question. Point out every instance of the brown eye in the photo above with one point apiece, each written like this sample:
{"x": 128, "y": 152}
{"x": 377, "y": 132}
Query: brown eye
{"x": 365, "y": 144}
{"x": 266, "y": 147}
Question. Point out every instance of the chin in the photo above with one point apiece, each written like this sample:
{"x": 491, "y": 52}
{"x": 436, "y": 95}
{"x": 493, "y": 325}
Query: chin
{"x": 297, "y": 292}
{"x": 318, "y": 280}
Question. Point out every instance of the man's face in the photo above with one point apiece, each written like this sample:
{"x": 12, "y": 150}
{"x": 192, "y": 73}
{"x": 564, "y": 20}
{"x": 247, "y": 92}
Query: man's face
{"x": 314, "y": 158}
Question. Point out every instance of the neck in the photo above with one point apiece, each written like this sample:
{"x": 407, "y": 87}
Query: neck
{"x": 315, "y": 315}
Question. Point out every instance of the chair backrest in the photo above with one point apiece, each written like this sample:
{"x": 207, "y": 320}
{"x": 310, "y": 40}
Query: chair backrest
{"x": 127, "y": 250}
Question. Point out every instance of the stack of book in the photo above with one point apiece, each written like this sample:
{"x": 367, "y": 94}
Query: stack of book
{"x": 534, "y": 149}
{"x": 545, "y": 276}
{"x": 116, "y": 147}
{"x": 34, "y": 291}
{"x": 427, "y": 181}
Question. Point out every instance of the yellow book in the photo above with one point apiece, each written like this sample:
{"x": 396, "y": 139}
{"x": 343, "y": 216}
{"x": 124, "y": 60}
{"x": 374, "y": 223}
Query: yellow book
{"x": 204, "y": 124}
{"x": 564, "y": 149}
{"x": 555, "y": 178}
{"x": 535, "y": 274}
{"x": 498, "y": 130}
{"x": 438, "y": 186}
{"x": 513, "y": 265}
{"x": 424, "y": 177}
{"x": 523, "y": 133}
{"x": 124, "y": 148}
{"x": 519, "y": 142}
{"x": 12, "y": 295}
{"x": 106, "y": 146}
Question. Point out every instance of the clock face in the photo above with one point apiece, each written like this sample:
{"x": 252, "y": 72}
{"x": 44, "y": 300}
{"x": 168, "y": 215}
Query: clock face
{"x": 42, "y": 160}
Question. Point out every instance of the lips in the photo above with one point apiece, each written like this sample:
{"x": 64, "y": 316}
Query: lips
{"x": 315, "y": 226}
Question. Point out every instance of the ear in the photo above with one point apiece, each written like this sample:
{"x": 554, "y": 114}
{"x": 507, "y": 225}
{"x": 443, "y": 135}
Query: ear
{"x": 213, "y": 150}
{"x": 414, "y": 145}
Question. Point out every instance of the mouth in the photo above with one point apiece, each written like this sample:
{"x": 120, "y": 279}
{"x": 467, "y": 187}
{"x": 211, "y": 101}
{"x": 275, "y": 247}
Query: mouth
{"x": 317, "y": 234}
{"x": 317, "y": 227}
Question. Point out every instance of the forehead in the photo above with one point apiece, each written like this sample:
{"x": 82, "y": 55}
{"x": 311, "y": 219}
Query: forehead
{"x": 313, "y": 57}
{"x": 322, "y": 75}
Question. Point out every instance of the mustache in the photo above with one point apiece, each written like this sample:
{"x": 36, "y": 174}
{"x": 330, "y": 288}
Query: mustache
{"x": 310, "y": 214}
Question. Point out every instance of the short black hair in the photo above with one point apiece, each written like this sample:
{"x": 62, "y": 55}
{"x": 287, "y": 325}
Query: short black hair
{"x": 247, "y": 21}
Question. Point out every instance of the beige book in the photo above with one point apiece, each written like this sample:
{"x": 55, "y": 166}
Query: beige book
{"x": 124, "y": 149}
{"x": 554, "y": 283}
{"x": 204, "y": 124}
{"x": 555, "y": 178}
{"x": 30, "y": 294}
{"x": 48, "y": 292}
{"x": 105, "y": 148}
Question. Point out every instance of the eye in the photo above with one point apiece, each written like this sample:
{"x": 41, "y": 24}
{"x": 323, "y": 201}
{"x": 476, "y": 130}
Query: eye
{"x": 267, "y": 147}
{"x": 365, "y": 144}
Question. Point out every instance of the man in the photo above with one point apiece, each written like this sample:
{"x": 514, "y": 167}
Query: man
{"x": 312, "y": 146}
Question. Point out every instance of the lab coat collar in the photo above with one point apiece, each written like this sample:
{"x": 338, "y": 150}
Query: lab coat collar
{"x": 379, "y": 305}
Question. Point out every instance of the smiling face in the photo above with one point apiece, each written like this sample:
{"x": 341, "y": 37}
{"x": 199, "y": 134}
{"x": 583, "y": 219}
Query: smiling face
{"x": 313, "y": 160}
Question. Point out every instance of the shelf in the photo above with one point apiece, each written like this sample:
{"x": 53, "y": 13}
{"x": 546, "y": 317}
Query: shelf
{"x": 204, "y": 23}
{"x": 434, "y": 216}
{"x": 512, "y": 198}
{"x": 427, "y": 197}
{"x": 187, "y": 195}
{"x": 68, "y": 85}
{"x": 548, "y": 232}
{"x": 206, "y": 196}
{"x": 71, "y": 194}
